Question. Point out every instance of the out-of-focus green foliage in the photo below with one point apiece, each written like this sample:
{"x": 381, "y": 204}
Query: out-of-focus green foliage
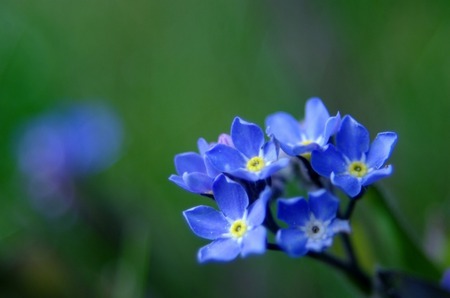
{"x": 178, "y": 70}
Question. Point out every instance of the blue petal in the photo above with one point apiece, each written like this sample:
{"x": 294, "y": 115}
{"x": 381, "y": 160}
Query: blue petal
{"x": 246, "y": 175}
{"x": 376, "y": 175}
{"x": 445, "y": 281}
{"x": 247, "y": 137}
{"x": 178, "y": 180}
{"x": 328, "y": 161}
{"x": 231, "y": 197}
{"x": 300, "y": 149}
{"x": 349, "y": 184}
{"x": 222, "y": 249}
{"x": 295, "y": 212}
{"x": 285, "y": 128}
{"x": 274, "y": 167}
{"x": 323, "y": 205}
{"x": 316, "y": 115}
{"x": 292, "y": 241}
{"x": 381, "y": 149}
{"x": 270, "y": 151}
{"x": 225, "y": 158}
{"x": 319, "y": 245}
{"x": 198, "y": 182}
{"x": 352, "y": 139}
{"x": 254, "y": 242}
{"x": 338, "y": 226}
{"x": 210, "y": 169}
{"x": 203, "y": 146}
{"x": 331, "y": 127}
{"x": 257, "y": 210}
{"x": 206, "y": 222}
{"x": 290, "y": 149}
{"x": 189, "y": 162}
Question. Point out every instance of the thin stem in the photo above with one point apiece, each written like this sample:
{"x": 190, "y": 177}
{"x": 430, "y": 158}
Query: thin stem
{"x": 351, "y": 206}
{"x": 269, "y": 221}
{"x": 315, "y": 178}
{"x": 350, "y": 269}
{"x": 273, "y": 246}
{"x": 330, "y": 260}
{"x": 349, "y": 249}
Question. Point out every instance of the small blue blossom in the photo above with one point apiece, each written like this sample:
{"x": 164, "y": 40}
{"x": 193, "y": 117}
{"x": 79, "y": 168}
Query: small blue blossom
{"x": 445, "y": 282}
{"x": 353, "y": 163}
{"x": 235, "y": 229}
{"x": 195, "y": 174}
{"x": 75, "y": 140}
{"x": 251, "y": 158}
{"x": 312, "y": 224}
{"x": 60, "y": 146}
{"x": 300, "y": 138}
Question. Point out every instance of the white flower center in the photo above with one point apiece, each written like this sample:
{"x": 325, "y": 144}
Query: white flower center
{"x": 315, "y": 229}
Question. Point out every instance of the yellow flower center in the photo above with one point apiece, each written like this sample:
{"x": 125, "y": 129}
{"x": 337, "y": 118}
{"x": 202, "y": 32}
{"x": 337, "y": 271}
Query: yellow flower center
{"x": 255, "y": 164}
{"x": 238, "y": 228}
{"x": 357, "y": 169}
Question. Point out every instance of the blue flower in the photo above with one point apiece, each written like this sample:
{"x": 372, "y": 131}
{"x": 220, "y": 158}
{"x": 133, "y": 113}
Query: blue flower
{"x": 312, "y": 224}
{"x": 235, "y": 229}
{"x": 445, "y": 282}
{"x": 195, "y": 174}
{"x": 75, "y": 140}
{"x": 63, "y": 145}
{"x": 311, "y": 134}
{"x": 251, "y": 158}
{"x": 353, "y": 163}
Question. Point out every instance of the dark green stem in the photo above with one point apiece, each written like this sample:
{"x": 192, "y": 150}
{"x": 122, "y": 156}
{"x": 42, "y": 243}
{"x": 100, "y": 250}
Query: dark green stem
{"x": 350, "y": 268}
{"x": 352, "y": 204}
{"x": 349, "y": 249}
{"x": 315, "y": 178}
{"x": 269, "y": 221}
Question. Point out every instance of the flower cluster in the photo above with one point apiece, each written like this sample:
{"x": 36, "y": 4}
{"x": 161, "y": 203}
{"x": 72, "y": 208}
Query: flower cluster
{"x": 246, "y": 174}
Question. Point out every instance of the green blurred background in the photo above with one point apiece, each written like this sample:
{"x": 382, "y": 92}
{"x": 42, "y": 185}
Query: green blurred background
{"x": 178, "y": 70}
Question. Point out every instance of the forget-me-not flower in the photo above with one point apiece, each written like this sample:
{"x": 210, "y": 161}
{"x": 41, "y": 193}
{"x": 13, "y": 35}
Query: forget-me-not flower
{"x": 312, "y": 223}
{"x": 251, "y": 158}
{"x": 445, "y": 282}
{"x": 63, "y": 145}
{"x": 235, "y": 229}
{"x": 300, "y": 138}
{"x": 354, "y": 163}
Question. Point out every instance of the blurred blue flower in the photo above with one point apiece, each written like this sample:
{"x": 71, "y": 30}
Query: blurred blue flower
{"x": 65, "y": 144}
{"x": 195, "y": 173}
{"x": 300, "y": 138}
{"x": 445, "y": 282}
{"x": 235, "y": 229}
{"x": 353, "y": 163}
{"x": 251, "y": 158}
{"x": 312, "y": 224}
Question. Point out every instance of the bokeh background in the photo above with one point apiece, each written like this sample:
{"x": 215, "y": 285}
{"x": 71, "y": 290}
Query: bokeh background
{"x": 169, "y": 72}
